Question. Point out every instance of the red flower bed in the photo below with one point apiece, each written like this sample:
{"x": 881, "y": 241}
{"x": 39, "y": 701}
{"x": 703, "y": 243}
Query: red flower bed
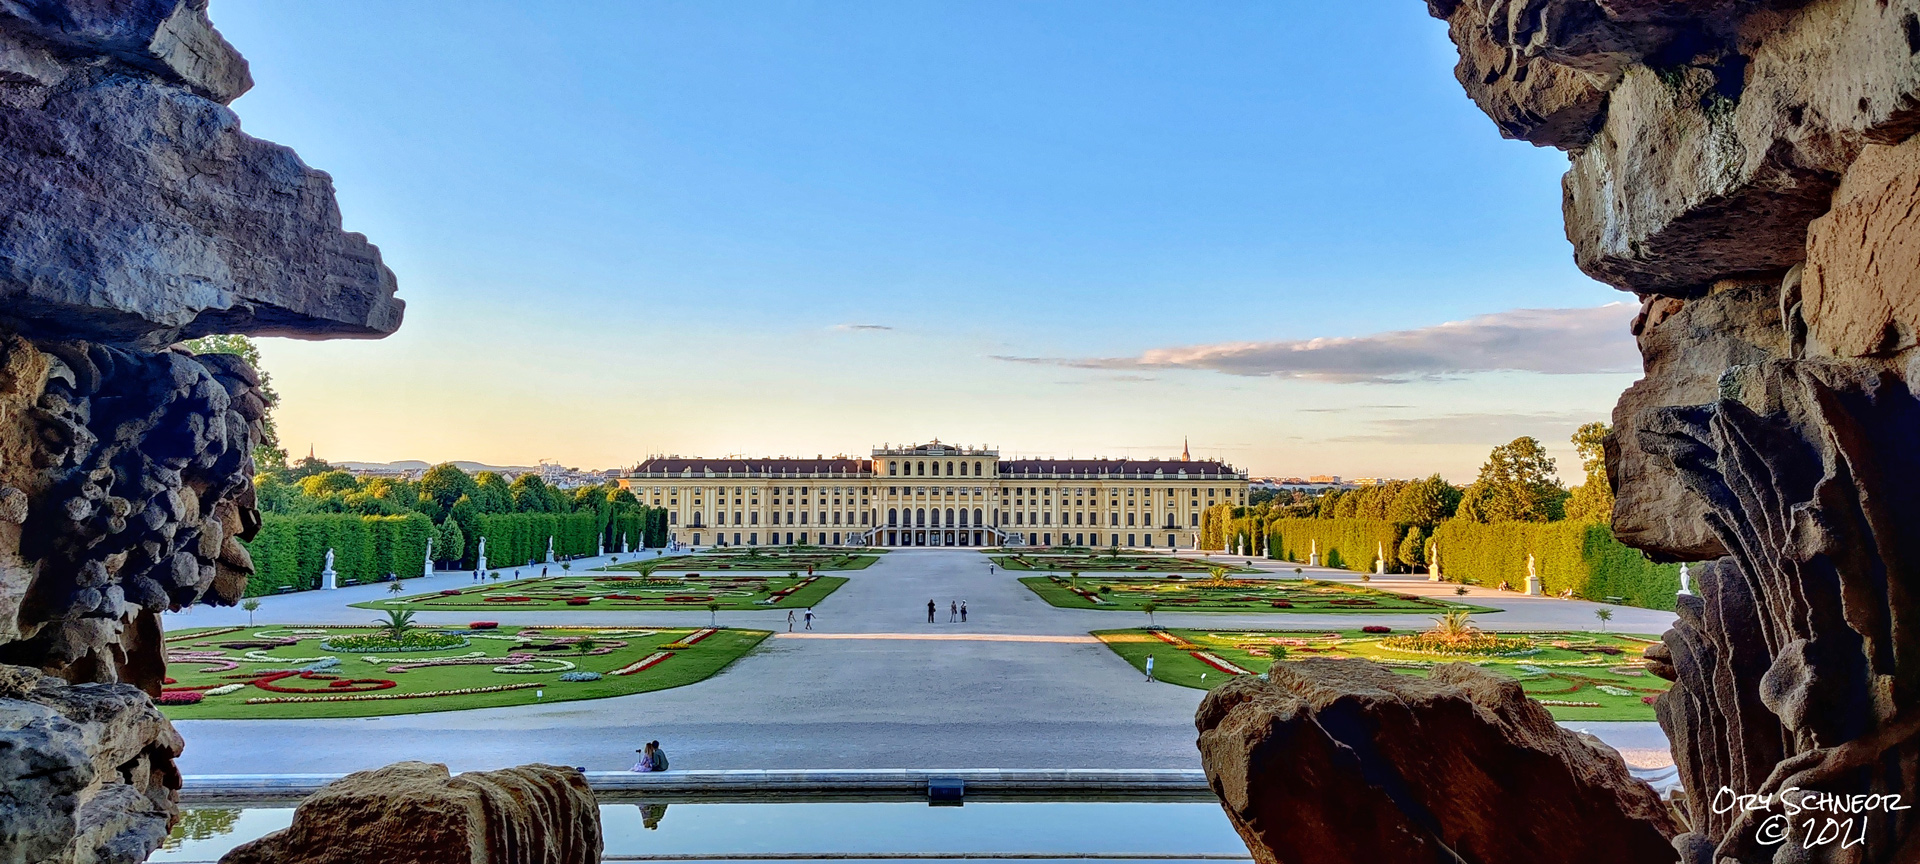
{"x": 1283, "y": 604}
{"x": 1376, "y": 628}
{"x": 450, "y": 592}
{"x": 509, "y": 599}
{"x": 1141, "y": 567}
{"x": 334, "y": 684}
{"x": 483, "y": 625}
{"x": 1648, "y": 700}
{"x": 578, "y": 601}
{"x": 687, "y": 598}
{"x": 179, "y": 697}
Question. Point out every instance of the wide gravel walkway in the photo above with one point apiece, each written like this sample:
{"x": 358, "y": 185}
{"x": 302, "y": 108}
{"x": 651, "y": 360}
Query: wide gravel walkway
{"x": 874, "y": 686}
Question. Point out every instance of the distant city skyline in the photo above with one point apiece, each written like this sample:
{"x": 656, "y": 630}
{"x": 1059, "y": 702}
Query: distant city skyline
{"x": 787, "y": 228}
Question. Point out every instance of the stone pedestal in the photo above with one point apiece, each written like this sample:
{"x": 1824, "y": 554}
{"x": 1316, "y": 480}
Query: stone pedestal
{"x": 1534, "y": 588}
{"x": 329, "y": 580}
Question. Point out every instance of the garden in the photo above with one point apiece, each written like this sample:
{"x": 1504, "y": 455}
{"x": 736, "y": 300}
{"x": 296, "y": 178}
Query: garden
{"x": 805, "y": 559}
{"x": 399, "y": 667}
{"x": 1217, "y": 593}
{"x": 1577, "y": 676}
{"x": 1112, "y": 561}
{"x": 602, "y": 591}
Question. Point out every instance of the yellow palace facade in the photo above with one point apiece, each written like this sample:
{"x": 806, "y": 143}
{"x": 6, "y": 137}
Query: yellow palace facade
{"x": 935, "y": 495}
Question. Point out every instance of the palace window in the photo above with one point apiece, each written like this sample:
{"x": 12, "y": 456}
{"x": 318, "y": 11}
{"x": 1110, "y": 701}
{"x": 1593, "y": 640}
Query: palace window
{"x": 976, "y": 517}
{"x": 893, "y": 468}
{"x": 893, "y": 517}
{"x": 754, "y": 517}
{"x": 949, "y": 516}
{"x": 863, "y": 517}
{"x": 920, "y": 517}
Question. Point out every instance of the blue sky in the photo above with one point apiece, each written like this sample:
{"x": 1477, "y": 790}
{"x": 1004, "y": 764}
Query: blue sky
{"x": 625, "y": 228}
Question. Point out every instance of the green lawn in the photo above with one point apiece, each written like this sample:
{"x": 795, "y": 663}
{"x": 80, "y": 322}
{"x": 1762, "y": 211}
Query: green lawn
{"x": 795, "y": 559}
{"x": 1103, "y": 562}
{"x": 258, "y": 660}
{"x": 601, "y": 591}
{"x": 1563, "y": 667}
{"x": 1170, "y": 594}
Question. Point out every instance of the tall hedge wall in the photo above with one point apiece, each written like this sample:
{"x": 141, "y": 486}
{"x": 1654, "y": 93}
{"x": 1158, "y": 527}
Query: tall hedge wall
{"x": 519, "y": 539}
{"x": 1345, "y": 543}
{"x": 1583, "y": 556}
{"x": 292, "y": 550}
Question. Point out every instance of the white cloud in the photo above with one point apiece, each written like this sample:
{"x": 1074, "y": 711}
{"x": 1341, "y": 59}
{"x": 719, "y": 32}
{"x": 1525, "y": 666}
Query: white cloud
{"x": 1548, "y": 341}
{"x": 861, "y": 327}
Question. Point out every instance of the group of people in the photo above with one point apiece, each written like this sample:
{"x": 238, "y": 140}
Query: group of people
{"x": 809, "y": 619}
{"x": 956, "y": 611}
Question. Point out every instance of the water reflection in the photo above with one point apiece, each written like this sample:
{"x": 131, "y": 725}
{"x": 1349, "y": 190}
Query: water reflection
{"x": 865, "y": 829}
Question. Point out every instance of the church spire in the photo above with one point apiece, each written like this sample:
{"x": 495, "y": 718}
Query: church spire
{"x": 1184, "y": 455}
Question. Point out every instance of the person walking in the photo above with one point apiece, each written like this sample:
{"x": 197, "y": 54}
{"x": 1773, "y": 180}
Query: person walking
{"x": 789, "y": 620}
{"x": 1149, "y": 667}
{"x": 543, "y": 572}
{"x": 989, "y": 568}
{"x": 963, "y": 611}
{"x": 930, "y": 608}
{"x": 809, "y": 617}
{"x": 953, "y": 611}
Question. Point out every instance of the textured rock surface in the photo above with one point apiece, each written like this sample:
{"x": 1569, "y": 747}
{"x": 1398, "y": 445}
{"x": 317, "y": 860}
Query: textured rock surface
{"x": 130, "y": 477}
{"x": 86, "y": 771}
{"x": 1346, "y": 761}
{"x": 133, "y": 210}
{"x": 1756, "y": 182}
{"x": 413, "y": 813}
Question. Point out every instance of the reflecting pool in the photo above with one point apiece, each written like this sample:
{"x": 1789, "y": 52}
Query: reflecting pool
{"x": 865, "y": 831}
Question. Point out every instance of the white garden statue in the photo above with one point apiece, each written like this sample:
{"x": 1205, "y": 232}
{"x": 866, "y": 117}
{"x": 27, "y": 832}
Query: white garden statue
{"x": 1685, "y": 589}
{"x": 1313, "y": 553}
{"x": 329, "y": 580}
{"x": 427, "y": 568}
{"x": 480, "y": 564}
{"x": 1534, "y": 587}
{"x": 549, "y": 548}
{"x": 1433, "y": 563}
{"x": 1379, "y": 558}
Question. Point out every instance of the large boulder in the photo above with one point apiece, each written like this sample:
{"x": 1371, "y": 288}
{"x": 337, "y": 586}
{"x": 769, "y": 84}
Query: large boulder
{"x": 415, "y": 813}
{"x": 1330, "y": 761}
{"x": 133, "y": 210}
{"x": 86, "y": 772}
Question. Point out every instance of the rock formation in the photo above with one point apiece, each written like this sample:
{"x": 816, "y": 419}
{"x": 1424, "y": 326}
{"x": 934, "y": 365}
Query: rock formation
{"x": 413, "y": 813}
{"x": 1749, "y": 169}
{"x": 1344, "y": 761}
{"x": 134, "y": 213}
{"x": 86, "y": 771}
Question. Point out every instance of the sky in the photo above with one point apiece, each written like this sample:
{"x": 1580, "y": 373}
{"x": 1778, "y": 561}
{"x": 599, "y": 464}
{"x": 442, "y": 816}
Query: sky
{"x": 1276, "y": 230}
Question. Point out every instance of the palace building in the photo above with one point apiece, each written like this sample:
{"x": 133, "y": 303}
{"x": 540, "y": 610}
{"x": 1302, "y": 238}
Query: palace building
{"x": 935, "y": 495}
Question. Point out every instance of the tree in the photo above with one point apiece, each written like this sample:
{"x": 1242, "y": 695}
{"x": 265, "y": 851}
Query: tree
{"x": 1517, "y": 484}
{"x": 445, "y": 484}
{"x": 530, "y": 494}
{"x": 395, "y": 587}
{"x": 491, "y": 493}
{"x": 321, "y": 485}
{"x": 1605, "y": 615}
{"x": 1149, "y": 607}
{"x": 713, "y": 613}
{"x": 268, "y": 456}
{"x": 1592, "y": 500}
{"x": 252, "y": 605}
{"x": 1425, "y": 502}
{"x": 1413, "y": 548}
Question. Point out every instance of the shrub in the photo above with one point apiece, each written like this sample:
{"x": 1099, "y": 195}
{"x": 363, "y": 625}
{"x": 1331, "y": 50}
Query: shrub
{"x": 484, "y": 625}
{"x": 1376, "y": 628}
{"x": 412, "y": 640}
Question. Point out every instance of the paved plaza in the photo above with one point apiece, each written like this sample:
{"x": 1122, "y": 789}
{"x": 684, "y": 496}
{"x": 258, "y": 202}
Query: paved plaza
{"x": 1020, "y": 684}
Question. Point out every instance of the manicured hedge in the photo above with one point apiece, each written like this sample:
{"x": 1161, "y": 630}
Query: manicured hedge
{"x": 1343, "y": 543}
{"x": 1583, "y": 556}
{"x": 292, "y": 550}
{"x": 519, "y": 539}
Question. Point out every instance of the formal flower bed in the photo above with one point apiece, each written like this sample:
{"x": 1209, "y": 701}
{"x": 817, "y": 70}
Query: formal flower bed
{"x": 1174, "y": 592}
{"x": 411, "y": 640}
{"x": 1573, "y": 673}
{"x": 274, "y": 670}
{"x": 625, "y": 592}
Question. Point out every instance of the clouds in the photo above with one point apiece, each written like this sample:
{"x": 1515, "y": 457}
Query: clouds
{"x": 1552, "y": 427}
{"x": 861, "y": 327}
{"x": 1547, "y": 341}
